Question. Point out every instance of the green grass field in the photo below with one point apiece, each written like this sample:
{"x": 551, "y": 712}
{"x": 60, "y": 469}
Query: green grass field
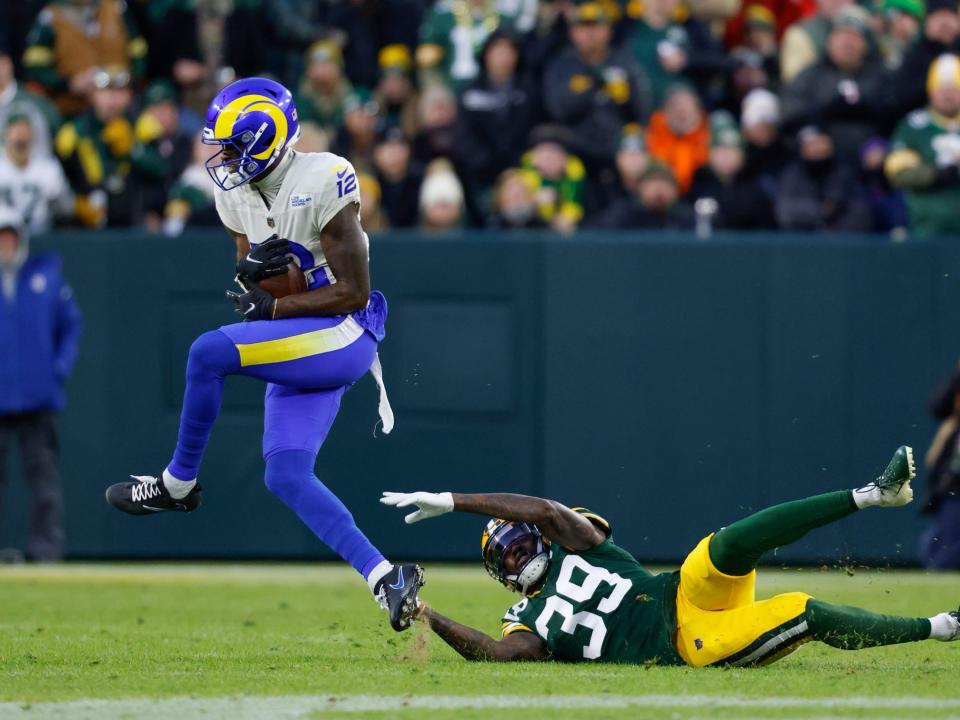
{"x": 297, "y": 641}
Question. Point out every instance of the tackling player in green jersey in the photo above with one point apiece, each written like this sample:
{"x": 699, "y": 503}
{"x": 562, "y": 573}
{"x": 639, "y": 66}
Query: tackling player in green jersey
{"x": 585, "y": 598}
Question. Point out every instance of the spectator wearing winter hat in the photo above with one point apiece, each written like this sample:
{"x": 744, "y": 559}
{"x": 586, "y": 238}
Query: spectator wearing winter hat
{"x": 395, "y": 91}
{"x": 594, "y": 88}
{"x": 494, "y": 118}
{"x": 441, "y": 199}
{"x": 453, "y": 35}
{"x": 356, "y": 136}
{"x": 679, "y": 135}
{"x": 656, "y": 205}
{"x": 941, "y": 35}
{"x": 558, "y": 178}
{"x": 901, "y": 29}
{"x": 766, "y": 152}
{"x": 804, "y": 43}
{"x": 515, "y": 202}
{"x": 399, "y": 177}
{"x": 32, "y": 182}
{"x": 324, "y": 88}
{"x": 821, "y": 191}
{"x": 741, "y": 203}
{"x": 785, "y": 13}
{"x": 69, "y": 42}
{"x": 95, "y": 151}
{"x": 755, "y": 62}
{"x": 437, "y": 117}
{"x": 847, "y": 93}
{"x": 161, "y": 152}
{"x": 747, "y": 72}
{"x": 673, "y": 47}
{"x": 760, "y": 35}
{"x": 632, "y": 160}
{"x": 925, "y": 154}
{"x": 16, "y": 99}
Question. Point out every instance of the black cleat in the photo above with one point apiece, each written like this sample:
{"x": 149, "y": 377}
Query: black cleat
{"x": 149, "y": 496}
{"x": 397, "y": 593}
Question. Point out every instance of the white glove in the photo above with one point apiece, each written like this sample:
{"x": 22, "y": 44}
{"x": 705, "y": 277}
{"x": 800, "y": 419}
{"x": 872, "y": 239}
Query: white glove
{"x": 430, "y": 504}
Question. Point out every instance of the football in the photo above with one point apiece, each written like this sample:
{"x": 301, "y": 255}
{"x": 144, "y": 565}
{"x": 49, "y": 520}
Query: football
{"x": 290, "y": 283}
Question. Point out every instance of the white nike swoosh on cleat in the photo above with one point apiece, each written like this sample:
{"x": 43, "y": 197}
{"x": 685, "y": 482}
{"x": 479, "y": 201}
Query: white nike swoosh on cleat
{"x": 400, "y": 584}
{"x": 258, "y": 262}
{"x": 250, "y": 309}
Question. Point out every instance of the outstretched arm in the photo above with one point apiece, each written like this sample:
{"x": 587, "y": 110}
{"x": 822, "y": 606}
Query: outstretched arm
{"x": 475, "y": 645}
{"x": 556, "y": 521}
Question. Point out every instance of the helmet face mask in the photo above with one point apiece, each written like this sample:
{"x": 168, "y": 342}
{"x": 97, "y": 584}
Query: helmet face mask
{"x": 253, "y": 121}
{"x": 232, "y": 165}
{"x": 500, "y": 540}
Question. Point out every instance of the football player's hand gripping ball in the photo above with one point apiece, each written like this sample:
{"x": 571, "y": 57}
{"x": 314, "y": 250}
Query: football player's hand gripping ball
{"x": 429, "y": 504}
{"x": 253, "y": 304}
{"x": 266, "y": 260}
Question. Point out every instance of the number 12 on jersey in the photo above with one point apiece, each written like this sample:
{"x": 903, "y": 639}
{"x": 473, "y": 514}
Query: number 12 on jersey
{"x": 346, "y": 185}
{"x": 556, "y": 605}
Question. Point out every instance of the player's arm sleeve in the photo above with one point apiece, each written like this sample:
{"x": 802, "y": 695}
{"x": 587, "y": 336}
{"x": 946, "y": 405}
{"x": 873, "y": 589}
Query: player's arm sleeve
{"x": 227, "y": 216}
{"x": 512, "y": 622}
{"x": 338, "y": 188}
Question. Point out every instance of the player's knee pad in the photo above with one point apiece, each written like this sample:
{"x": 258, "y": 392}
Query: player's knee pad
{"x": 211, "y": 353}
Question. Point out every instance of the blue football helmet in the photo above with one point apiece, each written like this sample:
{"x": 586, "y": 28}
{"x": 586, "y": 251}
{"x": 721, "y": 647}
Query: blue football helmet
{"x": 498, "y": 537}
{"x": 253, "y": 121}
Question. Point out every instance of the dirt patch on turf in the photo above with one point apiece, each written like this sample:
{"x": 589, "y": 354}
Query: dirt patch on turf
{"x": 418, "y": 649}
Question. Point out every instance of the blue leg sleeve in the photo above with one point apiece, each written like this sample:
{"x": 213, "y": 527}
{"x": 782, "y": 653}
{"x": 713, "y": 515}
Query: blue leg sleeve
{"x": 290, "y": 477}
{"x": 212, "y": 357}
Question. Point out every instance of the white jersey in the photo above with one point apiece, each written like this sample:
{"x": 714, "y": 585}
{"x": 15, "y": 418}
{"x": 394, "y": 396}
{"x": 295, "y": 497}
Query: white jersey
{"x": 313, "y": 188}
{"x": 34, "y": 190}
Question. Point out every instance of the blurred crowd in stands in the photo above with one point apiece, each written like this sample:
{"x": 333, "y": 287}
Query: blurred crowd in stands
{"x": 552, "y": 114}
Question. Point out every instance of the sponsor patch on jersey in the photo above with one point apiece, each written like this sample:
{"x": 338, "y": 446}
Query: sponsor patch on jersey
{"x": 299, "y": 201}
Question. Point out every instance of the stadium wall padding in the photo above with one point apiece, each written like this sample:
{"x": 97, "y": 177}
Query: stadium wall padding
{"x": 669, "y": 384}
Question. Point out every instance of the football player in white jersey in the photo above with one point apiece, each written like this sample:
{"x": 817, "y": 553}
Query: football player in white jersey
{"x": 309, "y": 347}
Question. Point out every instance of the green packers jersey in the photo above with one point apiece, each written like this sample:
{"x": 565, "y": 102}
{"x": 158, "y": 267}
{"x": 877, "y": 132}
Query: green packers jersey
{"x": 932, "y": 210}
{"x": 601, "y": 604}
{"x": 454, "y": 32}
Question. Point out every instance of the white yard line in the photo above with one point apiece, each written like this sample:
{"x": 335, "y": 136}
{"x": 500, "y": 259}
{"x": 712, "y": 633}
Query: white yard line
{"x": 297, "y": 707}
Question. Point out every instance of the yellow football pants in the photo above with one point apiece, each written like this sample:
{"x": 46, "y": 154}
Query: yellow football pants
{"x": 720, "y": 621}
